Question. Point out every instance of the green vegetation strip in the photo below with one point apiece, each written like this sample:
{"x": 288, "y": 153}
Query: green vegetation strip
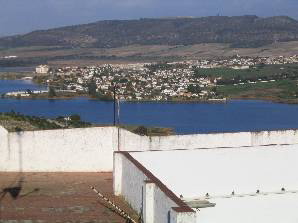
{"x": 278, "y": 90}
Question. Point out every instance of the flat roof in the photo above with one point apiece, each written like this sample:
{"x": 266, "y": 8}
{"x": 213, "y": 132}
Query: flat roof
{"x": 247, "y": 184}
{"x": 219, "y": 172}
{"x": 273, "y": 208}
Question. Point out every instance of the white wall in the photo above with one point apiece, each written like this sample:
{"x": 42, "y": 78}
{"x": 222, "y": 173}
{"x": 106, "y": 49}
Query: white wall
{"x": 130, "y": 182}
{"x": 133, "y": 142}
{"x": 69, "y": 150}
{"x": 3, "y": 137}
{"x": 91, "y": 149}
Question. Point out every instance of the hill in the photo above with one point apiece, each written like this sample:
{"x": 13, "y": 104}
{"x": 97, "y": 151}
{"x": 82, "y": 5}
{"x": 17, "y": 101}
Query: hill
{"x": 238, "y": 31}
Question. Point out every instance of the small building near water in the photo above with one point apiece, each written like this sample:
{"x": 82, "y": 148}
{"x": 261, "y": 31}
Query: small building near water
{"x": 42, "y": 69}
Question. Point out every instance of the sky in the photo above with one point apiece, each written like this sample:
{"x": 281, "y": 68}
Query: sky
{"x": 22, "y": 16}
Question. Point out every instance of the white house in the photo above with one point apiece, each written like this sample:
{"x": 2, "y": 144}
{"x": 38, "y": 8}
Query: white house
{"x": 42, "y": 69}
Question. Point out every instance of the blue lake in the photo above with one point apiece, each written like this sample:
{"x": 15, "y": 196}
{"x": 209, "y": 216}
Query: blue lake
{"x": 17, "y": 69}
{"x": 18, "y": 85}
{"x": 236, "y": 115}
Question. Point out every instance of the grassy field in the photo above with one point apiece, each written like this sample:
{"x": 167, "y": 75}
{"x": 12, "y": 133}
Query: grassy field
{"x": 257, "y": 72}
{"x": 282, "y": 91}
{"x": 136, "y": 53}
{"x": 15, "y": 122}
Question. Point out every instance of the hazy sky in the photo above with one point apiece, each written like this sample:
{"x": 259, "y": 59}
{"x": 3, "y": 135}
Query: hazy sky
{"x": 21, "y": 16}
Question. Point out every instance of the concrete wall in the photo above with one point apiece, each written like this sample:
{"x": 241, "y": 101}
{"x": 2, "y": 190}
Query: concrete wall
{"x": 181, "y": 217}
{"x": 132, "y": 142}
{"x": 3, "y": 137}
{"x": 91, "y": 149}
{"x": 69, "y": 150}
{"x": 129, "y": 182}
{"x": 145, "y": 195}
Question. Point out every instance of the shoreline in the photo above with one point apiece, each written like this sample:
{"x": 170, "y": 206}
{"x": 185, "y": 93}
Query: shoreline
{"x": 279, "y": 101}
{"x": 178, "y": 101}
{"x": 63, "y": 97}
{"x": 272, "y": 100}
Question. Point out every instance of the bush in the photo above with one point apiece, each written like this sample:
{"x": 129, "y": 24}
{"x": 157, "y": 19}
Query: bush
{"x": 141, "y": 130}
{"x": 75, "y": 118}
{"x": 18, "y": 129}
{"x": 52, "y": 92}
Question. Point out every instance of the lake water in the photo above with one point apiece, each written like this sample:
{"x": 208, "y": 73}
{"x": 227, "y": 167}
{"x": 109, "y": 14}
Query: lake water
{"x": 236, "y": 115}
{"x": 17, "y": 69}
{"x": 18, "y": 85}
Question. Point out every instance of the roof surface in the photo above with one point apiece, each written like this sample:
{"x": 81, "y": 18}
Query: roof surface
{"x": 263, "y": 180}
{"x": 273, "y": 208}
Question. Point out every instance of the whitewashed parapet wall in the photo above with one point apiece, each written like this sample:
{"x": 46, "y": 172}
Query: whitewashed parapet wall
{"x": 146, "y": 194}
{"x": 4, "y": 141}
{"x": 68, "y": 150}
{"x": 91, "y": 149}
{"x": 133, "y": 142}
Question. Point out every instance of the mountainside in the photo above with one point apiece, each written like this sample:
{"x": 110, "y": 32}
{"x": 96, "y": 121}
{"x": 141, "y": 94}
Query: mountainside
{"x": 240, "y": 31}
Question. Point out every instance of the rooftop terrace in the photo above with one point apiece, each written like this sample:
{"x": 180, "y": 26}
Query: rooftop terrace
{"x": 58, "y": 197}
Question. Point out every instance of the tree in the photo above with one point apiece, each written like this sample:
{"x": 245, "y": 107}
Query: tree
{"x": 92, "y": 87}
{"x": 195, "y": 89}
{"x": 141, "y": 130}
{"x": 214, "y": 90}
{"x": 75, "y": 117}
{"x": 52, "y": 92}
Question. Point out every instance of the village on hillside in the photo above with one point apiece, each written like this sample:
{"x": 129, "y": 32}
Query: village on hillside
{"x": 173, "y": 81}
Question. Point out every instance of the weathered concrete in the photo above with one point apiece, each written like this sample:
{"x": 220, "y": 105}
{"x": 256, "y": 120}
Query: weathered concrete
{"x": 69, "y": 150}
{"x": 91, "y": 149}
{"x": 147, "y": 195}
{"x": 133, "y": 142}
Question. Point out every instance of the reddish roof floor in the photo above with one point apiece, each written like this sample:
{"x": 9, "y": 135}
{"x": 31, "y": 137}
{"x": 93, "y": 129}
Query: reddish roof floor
{"x": 57, "y": 197}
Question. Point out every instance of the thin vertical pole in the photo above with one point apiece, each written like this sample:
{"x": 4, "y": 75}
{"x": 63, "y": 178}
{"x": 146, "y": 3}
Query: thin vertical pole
{"x": 118, "y": 121}
{"x": 118, "y": 111}
{"x": 114, "y": 105}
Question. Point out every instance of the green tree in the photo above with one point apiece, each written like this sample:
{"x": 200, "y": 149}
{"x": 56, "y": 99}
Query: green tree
{"x": 195, "y": 89}
{"x": 141, "y": 130}
{"x": 52, "y": 92}
{"x": 75, "y": 117}
{"x": 92, "y": 88}
{"x": 214, "y": 90}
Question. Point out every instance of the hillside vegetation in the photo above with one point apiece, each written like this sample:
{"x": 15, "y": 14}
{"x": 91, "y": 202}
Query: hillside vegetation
{"x": 240, "y": 31}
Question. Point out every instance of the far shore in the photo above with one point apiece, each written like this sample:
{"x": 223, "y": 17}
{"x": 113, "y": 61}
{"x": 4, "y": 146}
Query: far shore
{"x": 178, "y": 101}
{"x": 74, "y": 96}
{"x": 182, "y": 101}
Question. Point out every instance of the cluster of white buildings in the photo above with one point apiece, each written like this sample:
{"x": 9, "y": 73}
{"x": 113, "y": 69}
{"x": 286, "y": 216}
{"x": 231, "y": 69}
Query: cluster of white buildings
{"x": 136, "y": 81}
{"x": 143, "y": 81}
{"x": 238, "y": 62}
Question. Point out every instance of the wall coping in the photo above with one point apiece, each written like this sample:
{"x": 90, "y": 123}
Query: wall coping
{"x": 182, "y": 206}
{"x": 175, "y": 135}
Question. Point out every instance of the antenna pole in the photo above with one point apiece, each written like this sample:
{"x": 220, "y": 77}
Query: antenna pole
{"x": 114, "y": 104}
